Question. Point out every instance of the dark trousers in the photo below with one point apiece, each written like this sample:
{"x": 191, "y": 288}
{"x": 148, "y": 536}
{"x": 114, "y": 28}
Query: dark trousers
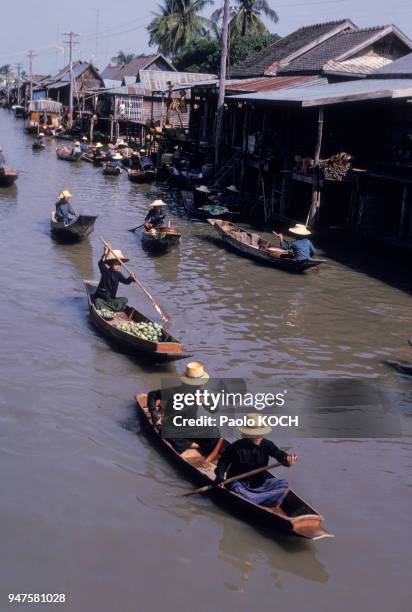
{"x": 116, "y": 304}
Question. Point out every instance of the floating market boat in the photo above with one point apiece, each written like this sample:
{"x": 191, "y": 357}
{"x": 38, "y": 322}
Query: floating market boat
{"x": 8, "y": 177}
{"x": 294, "y": 516}
{"x": 109, "y": 170}
{"x": 66, "y": 155}
{"x": 141, "y": 176}
{"x": 74, "y": 232}
{"x": 208, "y": 210}
{"x": 166, "y": 348}
{"x": 256, "y": 247}
{"x": 161, "y": 238}
{"x": 37, "y": 146}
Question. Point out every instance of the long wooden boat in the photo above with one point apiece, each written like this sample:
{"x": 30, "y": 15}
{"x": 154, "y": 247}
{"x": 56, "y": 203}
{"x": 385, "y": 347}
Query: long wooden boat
{"x": 201, "y": 213}
{"x": 65, "y": 154}
{"x": 161, "y": 238}
{"x": 294, "y": 516}
{"x": 256, "y": 247}
{"x": 38, "y": 146}
{"x": 167, "y": 349}
{"x": 74, "y": 232}
{"x": 141, "y": 176}
{"x": 109, "y": 170}
{"x": 8, "y": 177}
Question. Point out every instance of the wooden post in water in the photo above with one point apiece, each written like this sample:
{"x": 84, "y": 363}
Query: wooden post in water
{"x": 402, "y": 219}
{"x": 222, "y": 83}
{"x": 316, "y": 173}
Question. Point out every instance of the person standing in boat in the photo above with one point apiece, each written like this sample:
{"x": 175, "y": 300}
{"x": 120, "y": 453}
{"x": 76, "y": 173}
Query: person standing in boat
{"x": 252, "y": 451}
{"x": 156, "y": 216}
{"x": 84, "y": 147}
{"x": 64, "y": 211}
{"x": 160, "y": 403}
{"x": 302, "y": 248}
{"x": 76, "y": 152}
{"x": 106, "y": 292}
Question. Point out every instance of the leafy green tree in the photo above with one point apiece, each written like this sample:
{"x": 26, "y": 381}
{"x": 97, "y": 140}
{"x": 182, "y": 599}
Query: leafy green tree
{"x": 177, "y": 23}
{"x": 246, "y": 17}
{"x": 123, "y": 58}
{"x": 203, "y": 54}
{"x": 4, "y": 69}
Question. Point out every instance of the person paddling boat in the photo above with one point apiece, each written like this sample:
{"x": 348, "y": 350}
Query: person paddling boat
{"x": 156, "y": 216}
{"x": 250, "y": 452}
{"x": 64, "y": 210}
{"x": 105, "y": 296}
{"x": 301, "y": 248}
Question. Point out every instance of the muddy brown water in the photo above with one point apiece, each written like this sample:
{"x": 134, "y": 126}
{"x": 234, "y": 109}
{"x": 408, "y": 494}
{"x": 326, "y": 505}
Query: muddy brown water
{"x": 89, "y": 508}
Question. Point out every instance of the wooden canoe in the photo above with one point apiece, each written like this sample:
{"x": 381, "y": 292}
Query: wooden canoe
{"x": 256, "y": 247}
{"x": 294, "y": 516}
{"x": 404, "y": 367}
{"x": 162, "y": 239}
{"x": 109, "y": 170}
{"x": 38, "y": 145}
{"x": 168, "y": 349}
{"x": 65, "y": 154}
{"x": 8, "y": 177}
{"x": 141, "y": 176}
{"x": 74, "y": 232}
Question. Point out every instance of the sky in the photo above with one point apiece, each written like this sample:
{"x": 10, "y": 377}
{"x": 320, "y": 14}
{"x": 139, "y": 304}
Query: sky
{"x": 29, "y": 24}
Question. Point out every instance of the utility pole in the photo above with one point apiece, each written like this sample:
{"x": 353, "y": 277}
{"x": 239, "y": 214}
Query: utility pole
{"x": 222, "y": 82}
{"x": 71, "y": 40}
{"x": 18, "y": 66}
{"x": 31, "y": 55}
{"x": 96, "y": 51}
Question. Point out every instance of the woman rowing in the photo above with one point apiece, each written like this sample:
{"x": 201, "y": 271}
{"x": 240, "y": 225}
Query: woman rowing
{"x": 250, "y": 452}
{"x": 106, "y": 292}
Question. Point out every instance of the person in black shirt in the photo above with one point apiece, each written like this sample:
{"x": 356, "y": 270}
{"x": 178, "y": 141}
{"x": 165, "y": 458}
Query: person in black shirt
{"x": 162, "y": 415}
{"x": 249, "y": 453}
{"x": 156, "y": 216}
{"x": 106, "y": 292}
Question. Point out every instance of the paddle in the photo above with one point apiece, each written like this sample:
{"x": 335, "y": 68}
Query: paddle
{"x": 162, "y": 312}
{"x": 232, "y": 479}
{"x": 133, "y": 229}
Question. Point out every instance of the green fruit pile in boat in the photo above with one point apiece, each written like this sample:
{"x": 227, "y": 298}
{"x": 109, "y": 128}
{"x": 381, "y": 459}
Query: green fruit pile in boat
{"x": 146, "y": 331}
{"x": 106, "y": 313}
{"x": 214, "y": 209}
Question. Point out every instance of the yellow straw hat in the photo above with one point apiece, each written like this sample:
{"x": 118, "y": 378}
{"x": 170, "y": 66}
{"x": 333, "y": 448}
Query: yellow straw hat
{"x": 65, "y": 194}
{"x": 203, "y": 189}
{"x": 99, "y": 145}
{"x": 300, "y": 230}
{"x": 117, "y": 254}
{"x": 233, "y": 188}
{"x": 157, "y": 203}
{"x": 117, "y": 156}
{"x": 40, "y": 134}
{"x": 254, "y": 429}
{"x": 195, "y": 374}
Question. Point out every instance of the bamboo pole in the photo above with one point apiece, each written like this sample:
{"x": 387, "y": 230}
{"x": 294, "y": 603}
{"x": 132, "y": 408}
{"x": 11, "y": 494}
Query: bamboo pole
{"x": 316, "y": 173}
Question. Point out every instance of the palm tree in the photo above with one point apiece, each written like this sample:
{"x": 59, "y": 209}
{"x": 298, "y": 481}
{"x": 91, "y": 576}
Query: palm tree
{"x": 176, "y": 23}
{"x": 123, "y": 58}
{"x": 4, "y": 69}
{"x": 246, "y": 17}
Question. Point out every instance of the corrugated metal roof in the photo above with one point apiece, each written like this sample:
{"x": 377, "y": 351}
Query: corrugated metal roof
{"x": 125, "y": 90}
{"x": 156, "y": 80}
{"x": 321, "y": 93}
{"x": 357, "y": 65}
{"x": 45, "y": 105}
{"x": 399, "y": 68}
{"x": 268, "y": 83}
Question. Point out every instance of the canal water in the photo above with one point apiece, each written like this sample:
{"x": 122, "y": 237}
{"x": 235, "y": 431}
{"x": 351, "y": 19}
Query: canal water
{"x": 89, "y": 508}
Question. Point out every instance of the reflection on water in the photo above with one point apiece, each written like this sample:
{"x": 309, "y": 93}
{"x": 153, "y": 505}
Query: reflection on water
{"x": 88, "y": 506}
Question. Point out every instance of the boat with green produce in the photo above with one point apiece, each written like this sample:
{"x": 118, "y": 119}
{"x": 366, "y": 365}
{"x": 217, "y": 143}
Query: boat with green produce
{"x": 133, "y": 331}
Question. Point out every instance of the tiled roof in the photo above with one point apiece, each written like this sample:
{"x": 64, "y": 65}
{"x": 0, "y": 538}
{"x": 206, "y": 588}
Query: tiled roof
{"x": 140, "y": 62}
{"x": 265, "y": 62}
{"x": 344, "y": 42}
